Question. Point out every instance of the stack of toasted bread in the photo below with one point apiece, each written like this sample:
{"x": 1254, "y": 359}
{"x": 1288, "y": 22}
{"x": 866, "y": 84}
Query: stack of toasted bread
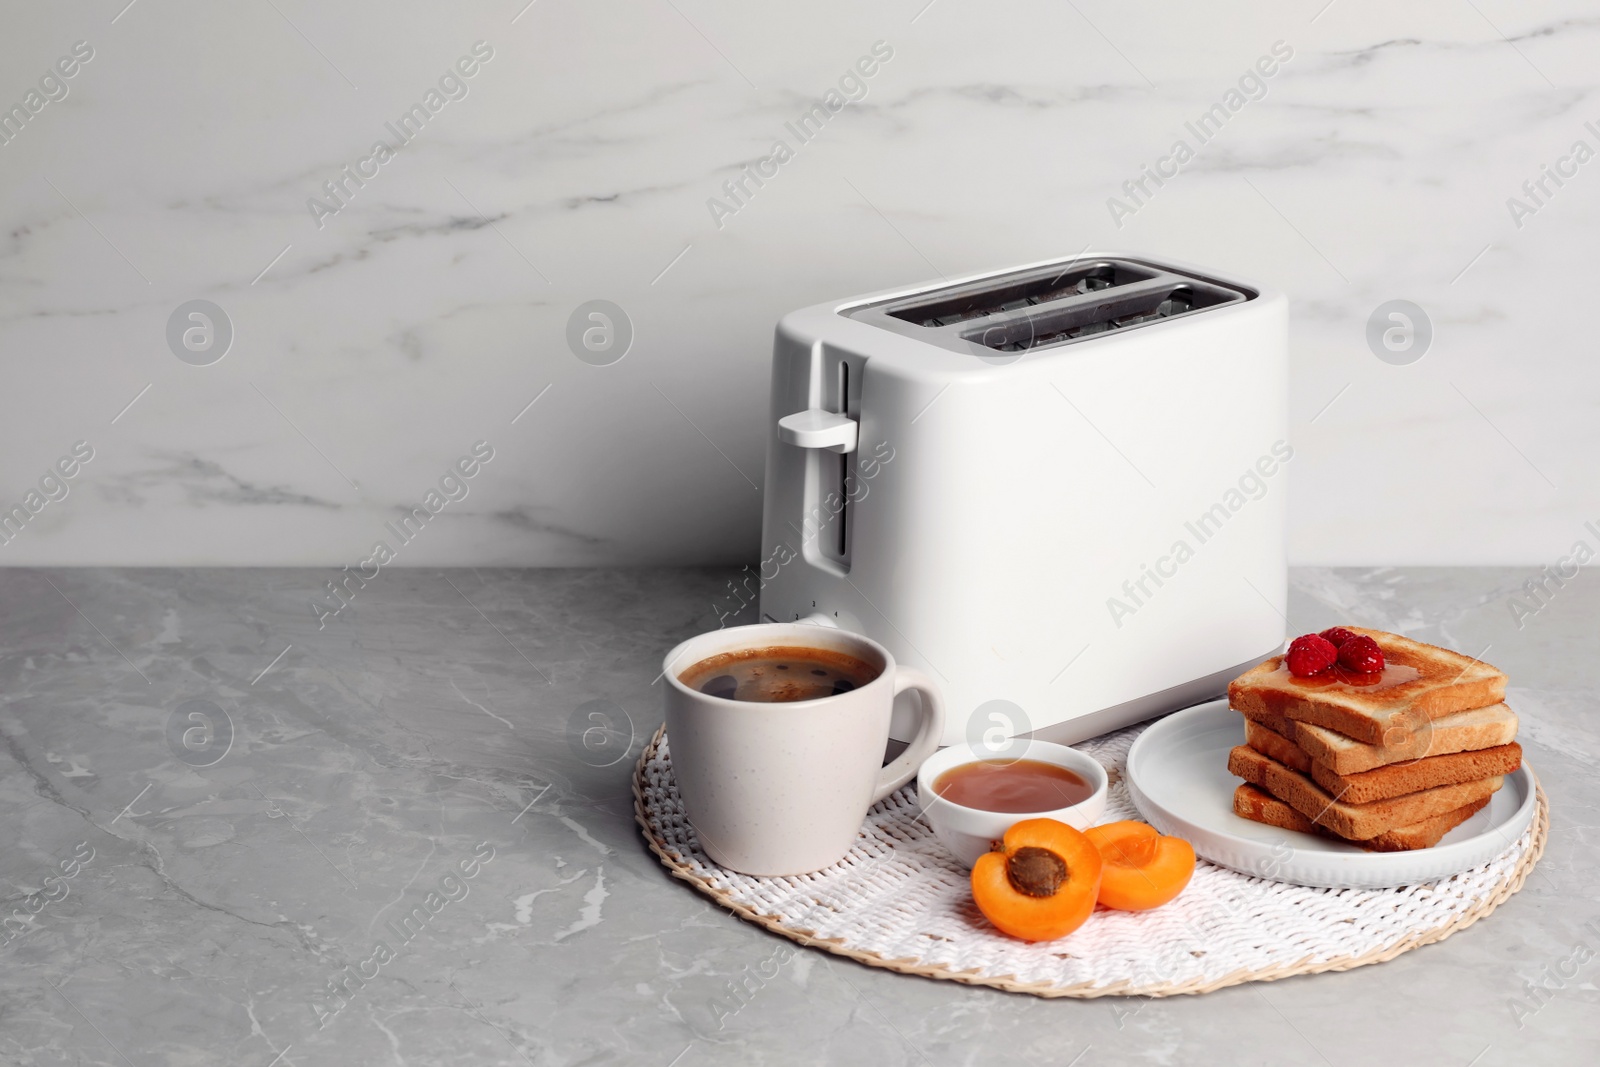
{"x": 1391, "y": 760}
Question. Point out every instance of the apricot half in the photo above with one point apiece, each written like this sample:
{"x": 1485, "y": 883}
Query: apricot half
{"x": 1143, "y": 869}
{"x": 1041, "y": 883}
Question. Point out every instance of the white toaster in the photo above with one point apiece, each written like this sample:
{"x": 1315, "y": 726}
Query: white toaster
{"x": 1058, "y": 489}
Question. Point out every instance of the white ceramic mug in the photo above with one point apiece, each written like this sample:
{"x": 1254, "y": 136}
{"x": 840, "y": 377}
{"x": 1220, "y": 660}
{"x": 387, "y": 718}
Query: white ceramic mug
{"x": 782, "y": 788}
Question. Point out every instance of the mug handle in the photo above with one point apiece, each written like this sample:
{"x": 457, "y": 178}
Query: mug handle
{"x": 926, "y": 742}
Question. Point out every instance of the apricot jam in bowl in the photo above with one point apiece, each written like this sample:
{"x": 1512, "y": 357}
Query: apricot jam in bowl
{"x": 973, "y": 794}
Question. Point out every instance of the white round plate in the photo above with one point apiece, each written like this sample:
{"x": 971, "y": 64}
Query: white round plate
{"x": 1178, "y": 778}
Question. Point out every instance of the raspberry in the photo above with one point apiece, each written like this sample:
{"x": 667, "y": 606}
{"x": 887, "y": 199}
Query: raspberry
{"x": 1310, "y": 654}
{"x": 1337, "y": 636}
{"x": 1361, "y": 655}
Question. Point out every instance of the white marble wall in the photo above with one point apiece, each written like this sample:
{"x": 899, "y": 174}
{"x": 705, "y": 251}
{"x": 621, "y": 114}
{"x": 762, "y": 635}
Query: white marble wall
{"x": 373, "y": 346}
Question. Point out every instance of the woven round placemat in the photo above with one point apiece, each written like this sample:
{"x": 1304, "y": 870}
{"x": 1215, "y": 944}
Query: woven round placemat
{"x": 900, "y": 902}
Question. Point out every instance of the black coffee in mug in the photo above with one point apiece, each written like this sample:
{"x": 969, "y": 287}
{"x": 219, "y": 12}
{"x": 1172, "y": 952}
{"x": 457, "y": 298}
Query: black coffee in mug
{"x": 778, "y": 674}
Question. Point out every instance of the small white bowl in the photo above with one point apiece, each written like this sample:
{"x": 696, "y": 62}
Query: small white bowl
{"x": 970, "y": 832}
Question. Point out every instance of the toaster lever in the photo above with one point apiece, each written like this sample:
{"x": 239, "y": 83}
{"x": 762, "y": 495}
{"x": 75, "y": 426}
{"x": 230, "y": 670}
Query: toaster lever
{"x": 815, "y": 428}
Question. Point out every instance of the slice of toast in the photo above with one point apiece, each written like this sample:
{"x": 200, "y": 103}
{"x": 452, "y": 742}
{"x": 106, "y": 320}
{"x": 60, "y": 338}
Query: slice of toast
{"x": 1277, "y": 745}
{"x": 1251, "y": 803}
{"x": 1418, "y": 684}
{"x": 1354, "y": 822}
{"x": 1394, "y": 780}
{"x": 1465, "y": 731}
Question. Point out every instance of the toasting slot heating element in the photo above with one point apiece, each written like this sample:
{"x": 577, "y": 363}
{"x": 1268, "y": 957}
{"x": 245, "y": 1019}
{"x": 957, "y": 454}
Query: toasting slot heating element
{"x": 1035, "y": 308}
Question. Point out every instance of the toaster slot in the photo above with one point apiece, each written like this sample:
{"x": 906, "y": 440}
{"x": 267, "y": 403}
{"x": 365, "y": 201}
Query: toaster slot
{"x": 1084, "y": 319}
{"x": 1056, "y": 304}
{"x": 980, "y": 301}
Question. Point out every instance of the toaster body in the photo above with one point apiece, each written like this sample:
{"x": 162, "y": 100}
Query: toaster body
{"x": 1060, "y": 489}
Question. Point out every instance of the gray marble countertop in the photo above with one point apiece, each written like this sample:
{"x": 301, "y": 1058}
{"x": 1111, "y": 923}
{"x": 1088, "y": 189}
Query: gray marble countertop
{"x": 212, "y": 812}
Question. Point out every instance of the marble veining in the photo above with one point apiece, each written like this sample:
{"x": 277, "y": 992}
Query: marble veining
{"x": 582, "y": 161}
{"x": 408, "y": 839}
